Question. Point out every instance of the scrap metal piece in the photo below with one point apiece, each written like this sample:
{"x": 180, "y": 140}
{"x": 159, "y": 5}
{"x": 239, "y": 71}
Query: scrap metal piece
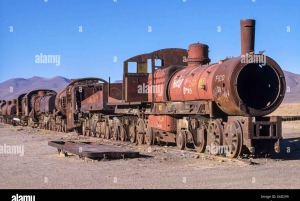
{"x": 93, "y": 150}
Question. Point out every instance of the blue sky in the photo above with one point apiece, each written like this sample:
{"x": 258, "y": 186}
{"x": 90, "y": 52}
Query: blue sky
{"x": 121, "y": 29}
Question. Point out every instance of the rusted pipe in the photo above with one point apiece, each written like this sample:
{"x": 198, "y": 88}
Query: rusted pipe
{"x": 247, "y": 36}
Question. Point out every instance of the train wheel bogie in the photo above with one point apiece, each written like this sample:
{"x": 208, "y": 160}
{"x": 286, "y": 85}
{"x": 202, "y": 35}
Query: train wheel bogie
{"x": 115, "y": 133}
{"x": 123, "y": 134}
{"x": 149, "y": 136}
{"x": 98, "y": 135}
{"x": 132, "y": 133}
{"x": 85, "y": 130}
{"x": 181, "y": 140}
{"x": 214, "y": 135}
{"x": 140, "y": 131}
{"x": 140, "y": 139}
{"x": 107, "y": 132}
{"x": 200, "y": 144}
{"x": 233, "y": 139}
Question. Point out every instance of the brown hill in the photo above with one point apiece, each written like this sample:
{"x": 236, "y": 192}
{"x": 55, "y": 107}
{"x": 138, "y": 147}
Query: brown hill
{"x": 12, "y": 88}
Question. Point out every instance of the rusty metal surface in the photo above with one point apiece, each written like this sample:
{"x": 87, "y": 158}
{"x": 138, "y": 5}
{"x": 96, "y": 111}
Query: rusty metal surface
{"x": 198, "y": 54}
{"x": 93, "y": 102}
{"x": 4, "y": 108}
{"x": 11, "y": 109}
{"x": 234, "y": 83}
{"x": 19, "y": 111}
{"x": 162, "y": 122}
{"x": 136, "y": 88}
{"x": 93, "y": 150}
{"x": 160, "y": 85}
{"x": 47, "y": 103}
{"x": 2, "y": 104}
{"x": 80, "y": 91}
{"x": 115, "y": 91}
{"x": 86, "y": 81}
{"x": 168, "y": 57}
{"x": 61, "y": 102}
{"x": 29, "y": 103}
{"x": 247, "y": 35}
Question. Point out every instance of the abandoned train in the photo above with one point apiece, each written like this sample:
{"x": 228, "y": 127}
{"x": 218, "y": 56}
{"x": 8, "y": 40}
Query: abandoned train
{"x": 185, "y": 100}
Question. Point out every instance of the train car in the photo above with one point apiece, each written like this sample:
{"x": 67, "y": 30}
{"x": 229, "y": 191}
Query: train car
{"x": 2, "y": 103}
{"x": 9, "y": 111}
{"x": 83, "y": 105}
{"x": 37, "y": 108}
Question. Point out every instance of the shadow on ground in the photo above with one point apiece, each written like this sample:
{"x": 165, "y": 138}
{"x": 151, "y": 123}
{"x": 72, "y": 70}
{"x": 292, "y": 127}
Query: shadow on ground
{"x": 289, "y": 149}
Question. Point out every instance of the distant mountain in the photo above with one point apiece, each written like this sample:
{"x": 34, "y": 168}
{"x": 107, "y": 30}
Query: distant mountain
{"x": 12, "y": 88}
{"x": 293, "y": 87}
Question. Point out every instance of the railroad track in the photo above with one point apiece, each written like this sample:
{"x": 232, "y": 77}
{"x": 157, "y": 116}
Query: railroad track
{"x": 290, "y": 118}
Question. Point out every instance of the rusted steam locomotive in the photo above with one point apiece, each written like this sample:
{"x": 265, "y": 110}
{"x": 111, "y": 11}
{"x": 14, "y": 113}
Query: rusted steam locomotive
{"x": 185, "y": 100}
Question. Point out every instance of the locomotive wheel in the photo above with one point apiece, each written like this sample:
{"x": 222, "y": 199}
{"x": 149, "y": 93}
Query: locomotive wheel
{"x": 98, "y": 134}
{"x": 200, "y": 145}
{"x": 215, "y": 133}
{"x": 58, "y": 128}
{"x": 181, "y": 140}
{"x": 85, "y": 131}
{"x": 140, "y": 139}
{"x": 65, "y": 128}
{"x": 132, "y": 133}
{"x": 149, "y": 137}
{"x": 233, "y": 136}
{"x": 107, "y": 132}
{"x": 53, "y": 127}
{"x": 123, "y": 134}
{"x": 115, "y": 134}
{"x": 140, "y": 132}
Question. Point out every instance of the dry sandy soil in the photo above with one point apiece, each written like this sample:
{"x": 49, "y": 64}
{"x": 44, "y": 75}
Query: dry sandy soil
{"x": 287, "y": 109}
{"x": 42, "y": 167}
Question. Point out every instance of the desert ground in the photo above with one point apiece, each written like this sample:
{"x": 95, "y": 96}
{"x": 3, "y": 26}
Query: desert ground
{"x": 161, "y": 167}
{"x": 287, "y": 109}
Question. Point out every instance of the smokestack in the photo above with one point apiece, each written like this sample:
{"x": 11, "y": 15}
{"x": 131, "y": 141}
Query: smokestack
{"x": 247, "y": 36}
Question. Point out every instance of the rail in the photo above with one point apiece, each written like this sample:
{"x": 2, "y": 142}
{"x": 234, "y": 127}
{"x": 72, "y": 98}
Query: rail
{"x": 290, "y": 118}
